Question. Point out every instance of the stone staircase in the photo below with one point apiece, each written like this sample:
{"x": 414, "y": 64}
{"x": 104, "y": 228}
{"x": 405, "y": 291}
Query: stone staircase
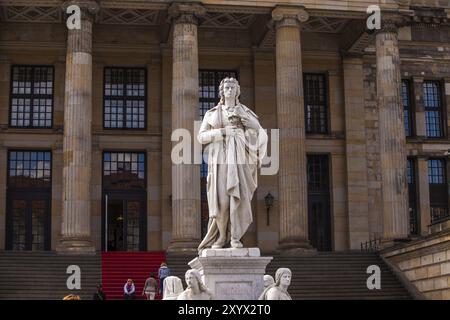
{"x": 331, "y": 275}
{"x": 117, "y": 267}
{"x": 42, "y": 275}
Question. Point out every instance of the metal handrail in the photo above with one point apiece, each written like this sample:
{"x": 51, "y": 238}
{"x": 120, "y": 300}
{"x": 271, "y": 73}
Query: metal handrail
{"x": 371, "y": 245}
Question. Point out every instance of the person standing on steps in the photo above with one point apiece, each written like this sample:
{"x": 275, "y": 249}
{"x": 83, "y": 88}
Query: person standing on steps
{"x": 99, "y": 295}
{"x": 129, "y": 290}
{"x": 163, "y": 273}
{"x": 150, "y": 288}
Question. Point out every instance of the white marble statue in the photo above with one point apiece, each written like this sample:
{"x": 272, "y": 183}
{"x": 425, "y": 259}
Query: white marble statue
{"x": 173, "y": 286}
{"x": 268, "y": 280}
{"x": 195, "y": 290}
{"x": 236, "y": 145}
{"x": 278, "y": 290}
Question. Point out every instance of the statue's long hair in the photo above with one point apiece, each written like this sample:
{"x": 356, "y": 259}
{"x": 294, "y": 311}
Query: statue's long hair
{"x": 221, "y": 88}
{"x": 197, "y": 276}
{"x": 280, "y": 273}
{"x": 278, "y": 276}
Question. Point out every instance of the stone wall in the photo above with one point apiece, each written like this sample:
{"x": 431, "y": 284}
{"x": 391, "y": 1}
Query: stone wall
{"x": 373, "y": 150}
{"x": 425, "y": 263}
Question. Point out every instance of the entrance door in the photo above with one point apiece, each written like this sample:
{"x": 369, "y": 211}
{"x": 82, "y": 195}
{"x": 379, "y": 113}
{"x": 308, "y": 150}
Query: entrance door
{"x": 319, "y": 216}
{"x": 28, "y": 221}
{"x": 125, "y": 222}
{"x": 319, "y": 222}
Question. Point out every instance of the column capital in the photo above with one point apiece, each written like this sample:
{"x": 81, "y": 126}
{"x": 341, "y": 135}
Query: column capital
{"x": 188, "y": 13}
{"x": 89, "y": 8}
{"x": 392, "y": 21}
{"x": 289, "y": 16}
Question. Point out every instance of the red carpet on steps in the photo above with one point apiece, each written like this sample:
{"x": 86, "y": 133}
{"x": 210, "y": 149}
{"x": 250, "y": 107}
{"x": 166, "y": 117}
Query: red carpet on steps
{"x": 117, "y": 267}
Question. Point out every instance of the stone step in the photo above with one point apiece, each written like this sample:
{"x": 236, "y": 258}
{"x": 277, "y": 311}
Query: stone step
{"x": 324, "y": 275}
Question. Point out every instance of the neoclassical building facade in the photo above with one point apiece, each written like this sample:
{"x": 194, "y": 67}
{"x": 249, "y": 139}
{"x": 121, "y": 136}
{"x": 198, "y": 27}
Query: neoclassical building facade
{"x": 86, "y": 118}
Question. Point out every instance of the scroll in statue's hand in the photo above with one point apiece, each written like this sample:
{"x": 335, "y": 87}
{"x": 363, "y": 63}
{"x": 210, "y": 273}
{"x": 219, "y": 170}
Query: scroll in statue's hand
{"x": 248, "y": 122}
{"x": 229, "y": 131}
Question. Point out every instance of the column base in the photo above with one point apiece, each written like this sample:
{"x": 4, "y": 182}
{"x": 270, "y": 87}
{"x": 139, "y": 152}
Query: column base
{"x": 75, "y": 246}
{"x": 188, "y": 247}
{"x": 296, "y": 246}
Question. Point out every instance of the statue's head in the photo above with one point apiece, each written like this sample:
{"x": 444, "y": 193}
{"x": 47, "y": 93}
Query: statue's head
{"x": 268, "y": 280}
{"x": 283, "y": 276}
{"x": 194, "y": 280}
{"x": 229, "y": 88}
{"x": 172, "y": 287}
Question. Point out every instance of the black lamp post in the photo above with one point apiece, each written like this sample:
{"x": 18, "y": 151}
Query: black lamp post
{"x": 268, "y": 200}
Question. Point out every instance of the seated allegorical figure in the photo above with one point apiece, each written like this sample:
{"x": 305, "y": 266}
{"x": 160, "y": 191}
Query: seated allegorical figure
{"x": 195, "y": 290}
{"x": 173, "y": 286}
{"x": 268, "y": 281}
{"x": 278, "y": 290}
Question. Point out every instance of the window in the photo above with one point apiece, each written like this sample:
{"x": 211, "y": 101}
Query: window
{"x": 124, "y": 170}
{"x": 28, "y": 200}
{"x": 318, "y": 174}
{"x": 433, "y": 109}
{"x": 315, "y": 103}
{"x": 125, "y": 98}
{"x": 29, "y": 169}
{"x": 31, "y": 97}
{"x": 319, "y": 213}
{"x": 412, "y": 195}
{"x": 437, "y": 179}
{"x": 407, "y": 110}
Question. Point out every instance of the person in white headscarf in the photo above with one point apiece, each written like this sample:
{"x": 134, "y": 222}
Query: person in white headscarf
{"x": 173, "y": 286}
{"x": 195, "y": 290}
{"x": 278, "y": 290}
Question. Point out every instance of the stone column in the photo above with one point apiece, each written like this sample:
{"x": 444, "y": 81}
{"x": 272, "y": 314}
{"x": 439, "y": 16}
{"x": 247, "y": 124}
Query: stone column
{"x": 76, "y": 215}
{"x": 419, "y": 109}
{"x": 392, "y": 132}
{"x": 291, "y": 123}
{"x": 186, "y": 231}
{"x": 356, "y": 155}
{"x": 423, "y": 193}
{"x": 447, "y": 103}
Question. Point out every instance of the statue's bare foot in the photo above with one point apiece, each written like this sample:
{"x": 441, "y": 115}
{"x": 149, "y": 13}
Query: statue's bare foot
{"x": 236, "y": 244}
{"x": 218, "y": 244}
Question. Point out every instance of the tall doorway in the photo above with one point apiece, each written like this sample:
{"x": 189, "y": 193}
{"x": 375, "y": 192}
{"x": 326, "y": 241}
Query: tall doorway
{"x": 319, "y": 215}
{"x": 124, "y": 222}
{"x": 28, "y": 207}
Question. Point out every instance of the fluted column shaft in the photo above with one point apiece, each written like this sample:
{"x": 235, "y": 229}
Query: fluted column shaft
{"x": 392, "y": 134}
{"x": 76, "y": 206}
{"x": 291, "y": 123}
{"x": 186, "y": 211}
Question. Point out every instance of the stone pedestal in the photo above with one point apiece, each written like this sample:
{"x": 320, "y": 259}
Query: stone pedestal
{"x": 232, "y": 274}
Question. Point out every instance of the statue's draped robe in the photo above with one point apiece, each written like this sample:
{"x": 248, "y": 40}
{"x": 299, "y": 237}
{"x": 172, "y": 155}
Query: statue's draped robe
{"x": 243, "y": 154}
{"x": 276, "y": 292}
